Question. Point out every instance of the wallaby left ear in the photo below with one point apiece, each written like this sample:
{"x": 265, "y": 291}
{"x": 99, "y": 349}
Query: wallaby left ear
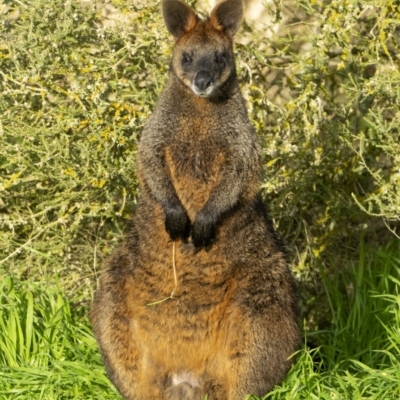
{"x": 227, "y": 16}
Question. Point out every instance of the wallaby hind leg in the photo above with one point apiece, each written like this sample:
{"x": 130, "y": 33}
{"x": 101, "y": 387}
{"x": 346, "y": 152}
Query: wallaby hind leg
{"x": 132, "y": 372}
{"x": 112, "y": 329}
{"x": 113, "y": 325}
{"x": 262, "y": 358}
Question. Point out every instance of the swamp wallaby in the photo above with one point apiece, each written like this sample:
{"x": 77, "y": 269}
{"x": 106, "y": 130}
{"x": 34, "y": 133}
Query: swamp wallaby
{"x": 198, "y": 302}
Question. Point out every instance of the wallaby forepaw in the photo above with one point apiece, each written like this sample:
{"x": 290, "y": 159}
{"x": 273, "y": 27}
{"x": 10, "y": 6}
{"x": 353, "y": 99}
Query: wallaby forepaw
{"x": 203, "y": 231}
{"x": 177, "y": 223}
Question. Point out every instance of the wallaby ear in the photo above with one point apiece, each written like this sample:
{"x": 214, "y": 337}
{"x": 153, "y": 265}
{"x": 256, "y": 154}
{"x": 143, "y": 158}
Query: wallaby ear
{"x": 227, "y": 16}
{"x": 179, "y": 18}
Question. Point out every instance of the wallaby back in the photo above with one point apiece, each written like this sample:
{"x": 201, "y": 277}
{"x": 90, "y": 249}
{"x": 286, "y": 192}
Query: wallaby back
{"x": 198, "y": 301}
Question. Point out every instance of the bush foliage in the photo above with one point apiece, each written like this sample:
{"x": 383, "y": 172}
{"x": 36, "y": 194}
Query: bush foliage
{"x": 77, "y": 84}
{"x": 74, "y": 95}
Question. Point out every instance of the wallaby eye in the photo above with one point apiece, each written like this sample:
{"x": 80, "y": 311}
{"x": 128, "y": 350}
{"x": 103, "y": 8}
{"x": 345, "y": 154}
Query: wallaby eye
{"x": 186, "y": 59}
{"x": 221, "y": 60}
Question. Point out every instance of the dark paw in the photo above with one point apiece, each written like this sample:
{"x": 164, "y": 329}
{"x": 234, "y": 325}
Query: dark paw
{"x": 203, "y": 230}
{"x": 177, "y": 223}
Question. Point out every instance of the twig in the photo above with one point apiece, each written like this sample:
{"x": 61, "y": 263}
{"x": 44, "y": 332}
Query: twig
{"x": 390, "y": 229}
{"x": 171, "y": 296}
{"x": 174, "y": 269}
{"x": 22, "y": 247}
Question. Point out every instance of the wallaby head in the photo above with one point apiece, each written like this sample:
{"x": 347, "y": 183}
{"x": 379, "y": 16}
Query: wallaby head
{"x": 203, "y": 57}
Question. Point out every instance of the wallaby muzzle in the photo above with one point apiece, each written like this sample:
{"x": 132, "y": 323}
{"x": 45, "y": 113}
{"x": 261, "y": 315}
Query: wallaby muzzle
{"x": 203, "y": 81}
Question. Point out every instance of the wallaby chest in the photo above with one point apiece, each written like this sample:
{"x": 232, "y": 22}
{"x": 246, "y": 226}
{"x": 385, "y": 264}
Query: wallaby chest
{"x": 199, "y": 159}
{"x": 195, "y": 158}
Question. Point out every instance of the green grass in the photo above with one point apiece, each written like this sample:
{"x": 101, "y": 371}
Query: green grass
{"x": 47, "y": 349}
{"x": 358, "y": 356}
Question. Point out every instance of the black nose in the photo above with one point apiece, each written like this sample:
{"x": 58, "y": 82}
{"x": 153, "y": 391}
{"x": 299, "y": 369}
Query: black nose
{"x": 203, "y": 80}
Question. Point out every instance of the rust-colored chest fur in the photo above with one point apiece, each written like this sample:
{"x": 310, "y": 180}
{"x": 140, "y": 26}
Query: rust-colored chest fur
{"x": 194, "y": 160}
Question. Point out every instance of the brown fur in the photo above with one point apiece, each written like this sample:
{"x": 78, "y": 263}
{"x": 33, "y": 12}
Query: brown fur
{"x": 231, "y": 323}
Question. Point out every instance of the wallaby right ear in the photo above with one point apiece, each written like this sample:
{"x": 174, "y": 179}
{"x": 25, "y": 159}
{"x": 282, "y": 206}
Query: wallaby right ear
{"x": 179, "y": 18}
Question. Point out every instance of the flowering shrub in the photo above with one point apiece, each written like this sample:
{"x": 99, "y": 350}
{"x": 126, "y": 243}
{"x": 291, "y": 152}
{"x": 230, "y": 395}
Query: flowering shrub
{"x": 78, "y": 80}
{"x": 325, "y": 98}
